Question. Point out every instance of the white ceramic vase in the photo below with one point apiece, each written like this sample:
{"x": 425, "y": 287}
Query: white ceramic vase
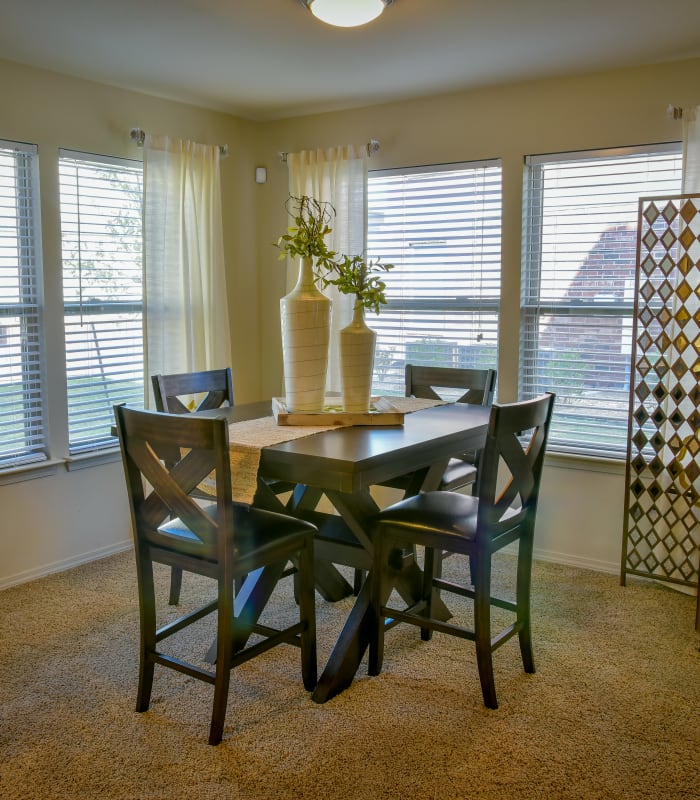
{"x": 357, "y": 343}
{"x": 305, "y": 315}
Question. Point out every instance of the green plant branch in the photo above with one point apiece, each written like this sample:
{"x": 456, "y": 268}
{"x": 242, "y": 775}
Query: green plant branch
{"x": 306, "y": 238}
{"x": 355, "y": 275}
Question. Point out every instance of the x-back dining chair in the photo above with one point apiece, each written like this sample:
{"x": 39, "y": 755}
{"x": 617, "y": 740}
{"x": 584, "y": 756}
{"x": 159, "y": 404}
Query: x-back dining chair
{"x": 458, "y": 385}
{"x": 221, "y": 540}
{"x": 502, "y": 512}
{"x": 181, "y": 393}
{"x": 213, "y": 387}
{"x": 475, "y": 386}
{"x": 185, "y": 392}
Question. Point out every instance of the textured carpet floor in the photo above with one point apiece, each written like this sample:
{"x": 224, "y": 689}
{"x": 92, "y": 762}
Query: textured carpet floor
{"x": 612, "y": 712}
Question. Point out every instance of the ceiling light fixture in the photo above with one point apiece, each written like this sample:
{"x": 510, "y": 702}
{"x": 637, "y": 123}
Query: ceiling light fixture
{"x": 346, "y": 13}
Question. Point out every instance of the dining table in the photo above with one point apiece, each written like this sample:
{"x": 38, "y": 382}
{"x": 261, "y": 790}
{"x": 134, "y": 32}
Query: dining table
{"x": 342, "y": 464}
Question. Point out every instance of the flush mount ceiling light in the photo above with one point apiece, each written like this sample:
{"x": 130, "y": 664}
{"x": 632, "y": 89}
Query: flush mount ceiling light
{"x": 346, "y": 13}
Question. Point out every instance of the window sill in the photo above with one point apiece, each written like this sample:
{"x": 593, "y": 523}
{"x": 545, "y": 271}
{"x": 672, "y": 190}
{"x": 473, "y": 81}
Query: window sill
{"x": 29, "y": 472}
{"x": 611, "y": 466}
{"x": 87, "y": 460}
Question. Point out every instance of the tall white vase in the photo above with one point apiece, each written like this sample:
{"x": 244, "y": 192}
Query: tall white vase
{"x": 306, "y": 316}
{"x": 357, "y": 343}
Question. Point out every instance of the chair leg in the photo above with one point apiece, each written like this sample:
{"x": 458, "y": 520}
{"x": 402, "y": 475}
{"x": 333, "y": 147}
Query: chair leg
{"x": 305, "y": 588}
{"x": 432, "y": 562}
{"x": 175, "y": 585}
{"x": 224, "y": 653}
{"x": 147, "y": 609}
{"x": 482, "y": 627}
{"x": 524, "y": 582}
{"x": 358, "y": 577}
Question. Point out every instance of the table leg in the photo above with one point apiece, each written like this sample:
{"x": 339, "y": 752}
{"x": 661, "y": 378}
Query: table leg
{"x": 330, "y": 583}
{"x": 353, "y": 640}
{"x": 348, "y": 651}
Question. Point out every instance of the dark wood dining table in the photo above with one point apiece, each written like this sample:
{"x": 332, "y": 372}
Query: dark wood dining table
{"x": 343, "y": 464}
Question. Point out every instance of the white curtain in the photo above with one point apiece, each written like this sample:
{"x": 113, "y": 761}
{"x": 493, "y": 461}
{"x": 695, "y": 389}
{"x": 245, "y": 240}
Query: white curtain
{"x": 691, "y": 150}
{"x": 335, "y": 175}
{"x": 186, "y": 310}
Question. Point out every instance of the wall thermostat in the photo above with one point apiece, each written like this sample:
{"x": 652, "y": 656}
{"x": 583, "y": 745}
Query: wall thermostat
{"x": 260, "y": 175}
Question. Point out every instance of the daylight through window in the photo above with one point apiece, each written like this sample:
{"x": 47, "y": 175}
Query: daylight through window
{"x": 102, "y": 290}
{"x": 22, "y": 428}
{"x": 578, "y": 286}
{"x": 441, "y": 228}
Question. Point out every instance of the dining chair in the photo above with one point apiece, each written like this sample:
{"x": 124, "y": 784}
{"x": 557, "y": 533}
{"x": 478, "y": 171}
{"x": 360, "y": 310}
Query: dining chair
{"x": 181, "y": 393}
{"x": 185, "y": 392}
{"x": 473, "y": 386}
{"x": 222, "y": 541}
{"x": 501, "y": 513}
{"x": 439, "y": 383}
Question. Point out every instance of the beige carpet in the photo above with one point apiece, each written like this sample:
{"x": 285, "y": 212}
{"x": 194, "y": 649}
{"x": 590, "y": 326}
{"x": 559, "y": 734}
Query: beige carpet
{"x": 613, "y": 711}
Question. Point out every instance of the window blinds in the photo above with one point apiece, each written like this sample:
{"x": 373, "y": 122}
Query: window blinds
{"x": 441, "y": 228}
{"x": 22, "y": 432}
{"x": 102, "y": 290}
{"x": 579, "y": 264}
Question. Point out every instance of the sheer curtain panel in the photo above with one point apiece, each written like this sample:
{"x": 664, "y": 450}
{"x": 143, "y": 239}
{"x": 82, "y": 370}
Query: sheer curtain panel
{"x": 335, "y": 175}
{"x": 691, "y": 150}
{"x": 186, "y": 309}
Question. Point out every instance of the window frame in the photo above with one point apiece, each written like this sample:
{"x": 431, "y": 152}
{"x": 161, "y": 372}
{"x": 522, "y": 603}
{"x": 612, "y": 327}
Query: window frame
{"x": 29, "y": 309}
{"x": 102, "y": 447}
{"x": 532, "y": 309}
{"x": 476, "y": 303}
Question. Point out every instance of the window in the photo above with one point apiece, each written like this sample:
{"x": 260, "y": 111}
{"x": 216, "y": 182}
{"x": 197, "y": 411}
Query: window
{"x": 22, "y": 429}
{"x": 102, "y": 292}
{"x": 579, "y": 261}
{"x": 441, "y": 228}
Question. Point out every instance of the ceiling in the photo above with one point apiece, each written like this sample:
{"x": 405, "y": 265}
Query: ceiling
{"x": 271, "y": 59}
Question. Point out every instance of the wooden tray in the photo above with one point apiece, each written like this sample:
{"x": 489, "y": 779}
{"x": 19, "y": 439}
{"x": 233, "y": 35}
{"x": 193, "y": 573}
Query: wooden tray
{"x": 381, "y": 413}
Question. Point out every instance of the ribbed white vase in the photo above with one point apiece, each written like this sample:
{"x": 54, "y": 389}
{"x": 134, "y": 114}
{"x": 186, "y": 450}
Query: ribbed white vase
{"x": 357, "y": 343}
{"x": 306, "y": 322}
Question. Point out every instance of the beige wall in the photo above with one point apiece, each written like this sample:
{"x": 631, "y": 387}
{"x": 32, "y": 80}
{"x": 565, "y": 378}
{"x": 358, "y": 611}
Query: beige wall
{"x": 56, "y": 521}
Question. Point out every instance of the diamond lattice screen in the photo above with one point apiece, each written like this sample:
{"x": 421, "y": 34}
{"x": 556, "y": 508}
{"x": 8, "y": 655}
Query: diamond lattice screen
{"x": 662, "y": 513}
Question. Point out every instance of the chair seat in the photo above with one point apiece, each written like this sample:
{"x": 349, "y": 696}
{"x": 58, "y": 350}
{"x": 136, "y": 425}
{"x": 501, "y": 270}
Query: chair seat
{"x": 434, "y": 517}
{"x": 438, "y": 519}
{"x": 457, "y": 474}
{"x": 257, "y": 531}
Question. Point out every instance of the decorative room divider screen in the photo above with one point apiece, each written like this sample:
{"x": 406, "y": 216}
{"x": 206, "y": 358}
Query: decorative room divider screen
{"x": 661, "y": 536}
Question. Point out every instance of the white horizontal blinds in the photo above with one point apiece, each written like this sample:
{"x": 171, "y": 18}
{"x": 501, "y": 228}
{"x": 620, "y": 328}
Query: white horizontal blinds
{"x": 22, "y": 431}
{"x": 441, "y": 228}
{"x": 102, "y": 291}
{"x": 580, "y": 234}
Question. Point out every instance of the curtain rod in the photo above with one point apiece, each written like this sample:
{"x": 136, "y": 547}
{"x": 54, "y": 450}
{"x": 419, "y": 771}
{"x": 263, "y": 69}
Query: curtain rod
{"x": 139, "y": 136}
{"x": 372, "y": 147}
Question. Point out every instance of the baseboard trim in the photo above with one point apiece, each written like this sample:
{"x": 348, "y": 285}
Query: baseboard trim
{"x": 551, "y": 556}
{"x": 65, "y": 564}
{"x": 568, "y": 560}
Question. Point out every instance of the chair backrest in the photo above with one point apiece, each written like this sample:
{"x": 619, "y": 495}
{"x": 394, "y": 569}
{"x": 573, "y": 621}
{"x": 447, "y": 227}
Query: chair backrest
{"x": 511, "y": 464}
{"x": 216, "y": 385}
{"x": 165, "y": 457}
{"x": 477, "y": 385}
